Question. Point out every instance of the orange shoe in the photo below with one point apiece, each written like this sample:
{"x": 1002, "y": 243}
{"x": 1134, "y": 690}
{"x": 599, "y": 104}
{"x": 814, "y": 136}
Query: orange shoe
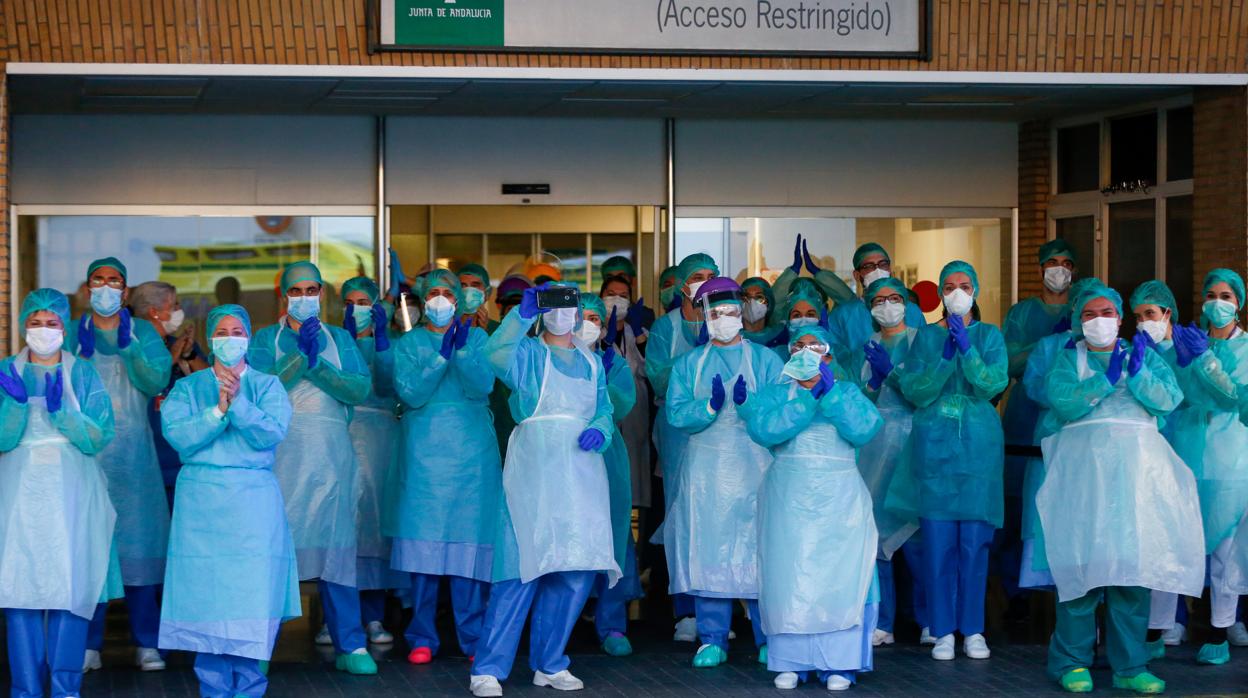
{"x": 420, "y": 655}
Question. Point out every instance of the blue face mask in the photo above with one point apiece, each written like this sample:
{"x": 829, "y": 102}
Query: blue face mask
{"x": 363, "y": 317}
{"x": 1219, "y": 313}
{"x": 473, "y": 298}
{"x": 229, "y": 350}
{"x": 106, "y": 300}
{"x": 799, "y": 322}
{"x": 803, "y": 365}
{"x": 304, "y": 308}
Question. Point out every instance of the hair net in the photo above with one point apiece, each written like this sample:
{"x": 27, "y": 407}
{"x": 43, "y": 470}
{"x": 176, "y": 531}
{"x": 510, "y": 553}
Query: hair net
{"x": 887, "y": 282}
{"x": 1086, "y": 282}
{"x": 591, "y": 302}
{"x": 107, "y": 262}
{"x": 1235, "y": 281}
{"x": 867, "y": 250}
{"x": 361, "y": 283}
{"x": 1155, "y": 292}
{"x": 816, "y": 331}
{"x": 669, "y": 273}
{"x": 228, "y": 310}
{"x": 512, "y": 286}
{"x": 1057, "y": 247}
{"x": 694, "y": 262}
{"x": 760, "y": 282}
{"x": 956, "y": 266}
{"x": 804, "y": 292}
{"x": 443, "y": 278}
{"x": 300, "y": 271}
{"x": 48, "y": 299}
{"x": 1089, "y": 294}
{"x": 476, "y": 270}
{"x": 619, "y": 263}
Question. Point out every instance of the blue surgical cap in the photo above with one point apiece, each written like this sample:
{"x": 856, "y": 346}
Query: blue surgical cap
{"x": 48, "y": 299}
{"x": 1235, "y": 281}
{"x": 474, "y": 269}
{"x": 956, "y": 266}
{"x": 1155, "y": 292}
{"x": 1089, "y": 294}
{"x": 867, "y": 250}
{"x": 887, "y": 282}
{"x": 298, "y": 272}
{"x": 228, "y": 310}
{"x": 361, "y": 283}
{"x": 107, "y": 262}
{"x": 440, "y": 278}
{"x": 694, "y": 262}
{"x": 1057, "y": 247}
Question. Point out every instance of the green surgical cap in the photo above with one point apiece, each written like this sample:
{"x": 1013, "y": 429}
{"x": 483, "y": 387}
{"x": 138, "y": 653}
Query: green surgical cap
{"x": 887, "y": 282}
{"x": 867, "y": 250}
{"x": 228, "y": 310}
{"x": 1084, "y": 283}
{"x": 619, "y": 263}
{"x": 1235, "y": 281}
{"x": 959, "y": 266}
{"x": 804, "y": 292}
{"x": 1057, "y": 247}
{"x": 1089, "y": 294}
{"x": 48, "y": 299}
{"x": 694, "y": 262}
{"x": 591, "y": 302}
{"x": 443, "y": 278}
{"x": 760, "y": 282}
{"x": 361, "y": 283}
{"x": 476, "y": 270}
{"x": 298, "y": 272}
{"x": 107, "y": 262}
{"x": 668, "y": 273}
{"x": 817, "y": 331}
{"x": 1155, "y": 292}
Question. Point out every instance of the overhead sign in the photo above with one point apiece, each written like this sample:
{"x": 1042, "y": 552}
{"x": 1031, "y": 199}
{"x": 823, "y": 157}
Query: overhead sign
{"x": 890, "y": 28}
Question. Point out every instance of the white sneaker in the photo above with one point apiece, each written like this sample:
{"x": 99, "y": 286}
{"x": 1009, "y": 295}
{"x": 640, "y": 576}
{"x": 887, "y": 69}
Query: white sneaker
{"x": 377, "y": 635}
{"x": 976, "y": 647}
{"x": 1237, "y": 634}
{"x": 1174, "y": 636}
{"x": 485, "y": 686}
{"x": 786, "y": 681}
{"x": 686, "y": 630}
{"x": 881, "y": 637}
{"x": 839, "y": 683}
{"x": 560, "y": 681}
{"x": 148, "y": 659}
{"x": 322, "y": 636}
{"x": 943, "y": 650}
{"x": 91, "y": 661}
{"x": 926, "y": 637}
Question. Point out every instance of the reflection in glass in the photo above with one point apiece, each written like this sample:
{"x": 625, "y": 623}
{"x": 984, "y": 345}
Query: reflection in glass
{"x": 1080, "y": 233}
{"x": 1179, "y": 255}
{"x": 1132, "y": 249}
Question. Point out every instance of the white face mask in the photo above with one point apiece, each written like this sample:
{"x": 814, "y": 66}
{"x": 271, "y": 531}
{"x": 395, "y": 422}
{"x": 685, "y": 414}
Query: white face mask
{"x": 1057, "y": 279}
{"x": 958, "y": 302}
{"x": 755, "y": 309}
{"x": 1155, "y": 329}
{"x": 1100, "y": 331}
{"x": 560, "y": 321}
{"x": 616, "y": 304}
{"x": 176, "y": 318}
{"x": 440, "y": 310}
{"x": 724, "y": 328}
{"x": 873, "y": 276}
{"x": 889, "y": 314}
{"x": 693, "y": 288}
{"x": 589, "y": 333}
{"x": 44, "y": 341}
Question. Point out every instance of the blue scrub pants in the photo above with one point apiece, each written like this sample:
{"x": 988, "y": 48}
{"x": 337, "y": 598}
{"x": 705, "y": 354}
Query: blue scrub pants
{"x": 556, "y": 601}
{"x": 144, "y": 611}
{"x": 611, "y": 613}
{"x": 913, "y": 553}
{"x": 228, "y": 676}
{"x": 682, "y": 605}
{"x": 804, "y": 676}
{"x": 468, "y": 600}
{"x": 342, "y": 615}
{"x": 372, "y": 605}
{"x": 35, "y": 651}
{"x": 955, "y": 570}
{"x": 715, "y": 620}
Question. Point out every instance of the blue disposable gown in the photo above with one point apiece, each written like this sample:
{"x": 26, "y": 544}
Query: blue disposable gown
{"x": 957, "y": 448}
{"x": 315, "y": 465}
{"x": 1040, "y": 360}
{"x": 444, "y": 495}
{"x": 1117, "y": 507}
{"x": 670, "y": 338}
{"x": 711, "y": 531}
{"x": 232, "y": 577}
{"x": 56, "y": 519}
{"x": 1025, "y": 324}
{"x": 621, "y": 389}
{"x": 132, "y": 376}
{"x": 375, "y": 437}
{"x": 851, "y": 326}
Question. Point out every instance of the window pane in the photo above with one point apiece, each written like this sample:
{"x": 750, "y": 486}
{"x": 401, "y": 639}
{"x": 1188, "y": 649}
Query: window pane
{"x": 1133, "y": 149}
{"x": 1179, "y": 254}
{"x": 1179, "y": 144}
{"x": 505, "y": 252}
{"x": 1080, "y": 233}
{"x": 1079, "y": 158}
{"x": 607, "y": 245}
{"x": 454, "y": 251}
{"x": 570, "y": 249}
{"x": 1132, "y": 249}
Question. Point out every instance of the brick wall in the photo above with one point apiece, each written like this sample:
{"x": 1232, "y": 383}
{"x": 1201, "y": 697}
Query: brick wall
{"x": 1220, "y": 185}
{"x": 1033, "y": 201}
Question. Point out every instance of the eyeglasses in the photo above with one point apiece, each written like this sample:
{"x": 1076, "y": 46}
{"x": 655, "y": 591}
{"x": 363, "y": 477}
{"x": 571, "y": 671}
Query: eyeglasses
{"x": 817, "y": 347}
{"x": 868, "y": 267}
{"x": 111, "y": 283}
{"x": 881, "y": 300}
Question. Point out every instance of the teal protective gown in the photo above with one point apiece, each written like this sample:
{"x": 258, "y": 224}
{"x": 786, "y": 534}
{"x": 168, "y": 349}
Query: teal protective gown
{"x": 851, "y": 326}
{"x": 132, "y": 376}
{"x": 375, "y": 437}
{"x": 670, "y": 338}
{"x": 1040, "y": 361}
{"x": 1025, "y": 325}
{"x": 232, "y": 578}
{"x": 315, "y": 464}
{"x": 56, "y": 519}
{"x": 444, "y": 495}
{"x": 621, "y": 388}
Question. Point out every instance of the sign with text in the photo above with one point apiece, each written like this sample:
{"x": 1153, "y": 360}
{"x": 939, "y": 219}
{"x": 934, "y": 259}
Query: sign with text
{"x": 794, "y": 27}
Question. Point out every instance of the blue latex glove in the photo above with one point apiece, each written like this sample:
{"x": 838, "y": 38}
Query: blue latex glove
{"x": 1183, "y": 355}
{"x": 1062, "y": 325}
{"x": 635, "y": 317}
{"x": 1139, "y": 345}
{"x": 880, "y": 362}
{"x": 54, "y": 390}
{"x": 717, "y": 393}
{"x": 958, "y": 331}
{"x": 528, "y": 302}
{"x": 309, "y": 333}
{"x": 950, "y": 348}
{"x": 612, "y": 332}
{"x": 348, "y": 321}
{"x": 86, "y": 337}
{"x": 1197, "y": 341}
{"x": 608, "y": 359}
{"x": 827, "y": 379}
{"x": 823, "y": 318}
{"x": 591, "y": 440}
{"x": 797, "y": 256}
{"x": 12, "y": 385}
{"x": 810, "y": 263}
{"x": 396, "y": 273}
{"x": 123, "y": 329}
{"x": 704, "y": 335}
{"x": 462, "y": 331}
{"x": 1113, "y": 372}
{"x": 448, "y": 341}
{"x": 739, "y": 391}
{"x": 381, "y": 340}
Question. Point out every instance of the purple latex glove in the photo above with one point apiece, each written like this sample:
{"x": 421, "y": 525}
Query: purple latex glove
{"x": 1062, "y": 325}
{"x": 880, "y": 362}
{"x": 591, "y": 440}
{"x": 608, "y": 359}
{"x": 950, "y": 348}
{"x": 704, "y": 336}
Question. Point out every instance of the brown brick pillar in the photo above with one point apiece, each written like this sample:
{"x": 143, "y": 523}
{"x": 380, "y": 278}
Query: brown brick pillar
{"x": 1220, "y": 182}
{"x": 1033, "y": 202}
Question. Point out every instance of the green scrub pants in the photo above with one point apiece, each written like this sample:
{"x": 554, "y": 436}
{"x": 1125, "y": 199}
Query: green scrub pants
{"x": 1126, "y": 619}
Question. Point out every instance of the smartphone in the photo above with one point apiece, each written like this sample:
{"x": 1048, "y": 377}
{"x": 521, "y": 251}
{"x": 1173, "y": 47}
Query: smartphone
{"x": 559, "y": 297}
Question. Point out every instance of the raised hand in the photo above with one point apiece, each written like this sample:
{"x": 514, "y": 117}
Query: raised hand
{"x": 827, "y": 379}
{"x": 528, "y": 302}
{"x": 348, "y": 321}
{"x": 54, "y": 390}
{"x": 1139, "y": 345}
{"x": 739, "y": 391}
{"x": 1113, "y": 372}
{"x": 448, "y": 341}
{"x": 704, "y": 335}
{"x": 608, "y": 359}
{"x": 612, "y": 331}
{"x": 13, "y": 385}
{"x": 810, "y": 263}
{"x": 381, "y": 340}
{"x": 309, "y": 340}
{"x": 462, "y": 332}
{"x": 635, "y": 317}
{"x": 797, "y": 256}
{"x": 86, "y": 337}
{"x": 717, "y": 393}
{"x": 124, "y": 324}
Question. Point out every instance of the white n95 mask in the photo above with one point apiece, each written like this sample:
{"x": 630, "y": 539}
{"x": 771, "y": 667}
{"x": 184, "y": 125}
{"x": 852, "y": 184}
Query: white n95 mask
{"x": 1155, "y": 329}
{"x": 958, "y": 302}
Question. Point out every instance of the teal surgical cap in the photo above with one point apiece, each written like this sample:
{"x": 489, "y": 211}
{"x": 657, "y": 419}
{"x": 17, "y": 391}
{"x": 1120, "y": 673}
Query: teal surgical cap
{"x": 361, "y": 283}
{"x": 440, "y": 278}
{"x": 694, "y": 262}
{"x": 107, "y": 262}
{"x": 1057, "y": 247}
{"x": 1235, "y": 281}
{"x": 668, "y": 273}
{"x": 478, "y": 271}
{"x": 618, "y": 264}
{"x": 804, "y": 292}
{"x": 959, "y": 266}
{"x": 299, "y": 272}
{"x": 48, "y": 299}
{"x": 217, "y": 314}
{"x": 1081, "y": 284}
{"x": 867, "y": 250}
{"x": 1090, "y": 294}
{"x": 816, "y": 331}
{"x": 887, "y": 282}
{"x": 760, "y": 282}
{"x": 593, "y": 303}
{"x": 1155, "y": 292}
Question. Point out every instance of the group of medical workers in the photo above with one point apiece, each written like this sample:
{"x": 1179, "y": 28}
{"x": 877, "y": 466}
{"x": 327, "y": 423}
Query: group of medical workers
{"x": 806, "y": 434}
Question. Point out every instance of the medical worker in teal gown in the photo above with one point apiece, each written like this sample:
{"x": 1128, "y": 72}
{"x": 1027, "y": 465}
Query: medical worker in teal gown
{"x": 761, "y": 317}
{"x": 56, "y": 519}
{"x": 555, "y": 534}
{"x": 710, "y": 536}
{"x": 850, "y": 321}
{"x": 1118, "y": 508}
{"x": 315, "y": 465}
{"x": 953, "y": 371}
{"x": 444, "y": 493}
{"x": 817, "y": 538}
{"x": 132, "y": 361}
{"x": 231, "y": 579}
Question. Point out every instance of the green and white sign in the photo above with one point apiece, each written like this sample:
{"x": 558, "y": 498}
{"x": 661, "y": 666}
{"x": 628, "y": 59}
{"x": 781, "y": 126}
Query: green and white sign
{"x": 798, "y": 27}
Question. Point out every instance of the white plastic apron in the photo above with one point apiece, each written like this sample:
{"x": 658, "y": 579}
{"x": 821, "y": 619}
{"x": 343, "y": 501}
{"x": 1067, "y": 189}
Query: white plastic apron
{"x": 56, "y": 519}
{"x": 376, "y": 440}
{"x": 557, "y": 493}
